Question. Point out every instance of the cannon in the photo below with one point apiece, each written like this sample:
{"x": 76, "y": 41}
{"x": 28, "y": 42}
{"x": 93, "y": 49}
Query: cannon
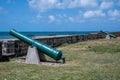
{"x": 108, "y": 34}
{"x": 46, "y": 49}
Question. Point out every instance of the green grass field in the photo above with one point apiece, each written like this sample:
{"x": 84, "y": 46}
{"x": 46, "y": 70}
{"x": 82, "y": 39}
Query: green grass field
{"x": 90, "y": 60}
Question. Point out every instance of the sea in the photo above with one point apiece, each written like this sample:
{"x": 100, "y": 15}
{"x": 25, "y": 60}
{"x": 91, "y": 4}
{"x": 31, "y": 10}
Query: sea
{"x": 6, "y": 35}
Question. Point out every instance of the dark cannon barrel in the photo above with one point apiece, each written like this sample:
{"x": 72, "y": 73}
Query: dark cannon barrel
{"x": 48, "y": 50}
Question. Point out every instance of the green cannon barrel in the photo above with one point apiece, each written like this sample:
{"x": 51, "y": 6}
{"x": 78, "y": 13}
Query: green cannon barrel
{"x": 111, "y": 35}
{"x": 48, "y": 50}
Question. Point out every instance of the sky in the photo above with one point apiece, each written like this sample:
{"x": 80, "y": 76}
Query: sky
{"x": 60, "y": 15}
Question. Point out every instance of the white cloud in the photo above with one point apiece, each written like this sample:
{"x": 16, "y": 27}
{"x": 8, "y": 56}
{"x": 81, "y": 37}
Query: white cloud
{"x": 106, "y": 5}
{"x": 44, "y": 5}
{"x": 91, "y": 9}
{"x": 51, "y": 18}
{"x": 96, "y": 13}
{"x": 119, "y": 2}
{"x": 71, "y": 19}
{"x": 38, "y": 17}
{"x": 88, "y": 3}
{"x": 83, "y": 3}
{"x": 114, "y": 13}
{"x": 9, "y": 1}
{"x": 1, "y": 10}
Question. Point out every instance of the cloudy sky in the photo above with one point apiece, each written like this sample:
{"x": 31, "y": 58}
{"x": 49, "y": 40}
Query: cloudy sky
{"x": 60, "y": 15}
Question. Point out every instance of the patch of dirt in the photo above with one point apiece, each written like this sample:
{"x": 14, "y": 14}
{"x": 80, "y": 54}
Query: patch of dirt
{"x": 51, "y": 64}
{"x": 47, "y": 63}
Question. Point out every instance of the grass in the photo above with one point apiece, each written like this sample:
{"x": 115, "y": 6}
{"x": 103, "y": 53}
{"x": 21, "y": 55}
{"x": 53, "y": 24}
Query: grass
{"x": 90, "y": 60}
{"x": 106, "y": 48}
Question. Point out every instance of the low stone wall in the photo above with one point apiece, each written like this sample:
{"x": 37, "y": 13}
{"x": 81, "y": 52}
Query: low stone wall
{"x": 19, "y": 48}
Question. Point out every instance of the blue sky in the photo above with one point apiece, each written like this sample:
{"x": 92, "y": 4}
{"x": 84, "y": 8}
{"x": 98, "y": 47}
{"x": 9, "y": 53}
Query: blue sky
{"x": 60, "y": 15}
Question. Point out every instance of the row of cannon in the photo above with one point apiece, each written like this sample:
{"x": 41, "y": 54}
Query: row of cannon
{"x": 19, "y": 47}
